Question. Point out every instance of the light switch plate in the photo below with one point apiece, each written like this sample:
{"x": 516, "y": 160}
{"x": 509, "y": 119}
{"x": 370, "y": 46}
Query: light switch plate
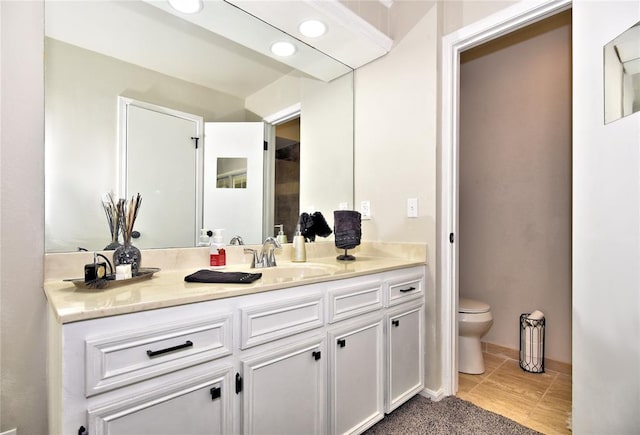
{"x": 412, "y": 207}
{"x": 365, "y": 210}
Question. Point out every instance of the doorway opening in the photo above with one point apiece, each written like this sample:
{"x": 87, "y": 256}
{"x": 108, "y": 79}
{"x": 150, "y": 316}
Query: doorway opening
{"x": 513, "y": 18}
{"x": 287, "y": 176}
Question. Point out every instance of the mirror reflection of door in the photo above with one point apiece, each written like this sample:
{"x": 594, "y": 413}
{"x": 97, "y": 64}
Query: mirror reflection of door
{"x": 233, "y": 179}
{"x": 287, "y": 176}
{"x": 160, "y": 161}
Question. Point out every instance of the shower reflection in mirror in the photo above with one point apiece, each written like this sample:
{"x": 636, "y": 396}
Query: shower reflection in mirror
{"x": 622, "y": 75}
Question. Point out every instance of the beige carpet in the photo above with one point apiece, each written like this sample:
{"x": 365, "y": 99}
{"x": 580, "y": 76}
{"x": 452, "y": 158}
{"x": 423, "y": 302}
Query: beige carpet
{"x": 451, "y": 415}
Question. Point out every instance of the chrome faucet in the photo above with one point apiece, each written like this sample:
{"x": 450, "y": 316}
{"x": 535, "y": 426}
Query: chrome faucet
{"x": 267, "y": 256}
{"x": 236, "y": 240}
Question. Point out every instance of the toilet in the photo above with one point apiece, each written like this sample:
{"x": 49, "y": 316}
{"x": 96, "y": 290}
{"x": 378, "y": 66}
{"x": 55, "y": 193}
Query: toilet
{"x": 474, "y": 321}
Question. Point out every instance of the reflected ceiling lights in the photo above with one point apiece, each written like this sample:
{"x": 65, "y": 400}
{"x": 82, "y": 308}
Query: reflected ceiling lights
{"x": 283, "y": 48}
{"x": 312, "y": 28}
{"x": 186, "y": 6}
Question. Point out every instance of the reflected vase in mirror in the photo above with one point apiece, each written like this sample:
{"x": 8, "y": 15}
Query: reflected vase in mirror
{"x": 347, "y": 226}
{"x": 127, "y": 253}
{"x": 111, "y": 211}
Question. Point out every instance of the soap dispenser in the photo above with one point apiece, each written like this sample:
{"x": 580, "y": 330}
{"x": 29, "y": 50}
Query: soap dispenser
{"x": 205, "y": 237}
{"x": 299, "y": 249}
{"x": 281, "y": 237}
{"x": 217, "y": 253}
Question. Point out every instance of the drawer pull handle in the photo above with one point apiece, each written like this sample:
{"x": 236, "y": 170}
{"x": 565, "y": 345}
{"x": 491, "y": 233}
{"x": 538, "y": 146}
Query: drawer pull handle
{"x": 405, "y": 290}
{"x": 395, "y": 322}
{"x": 154, "y": 353}
{"x": 342, "y": 342}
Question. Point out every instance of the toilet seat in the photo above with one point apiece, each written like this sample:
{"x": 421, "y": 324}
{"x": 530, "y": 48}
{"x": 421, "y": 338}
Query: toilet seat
{"x": 471, "y": 306}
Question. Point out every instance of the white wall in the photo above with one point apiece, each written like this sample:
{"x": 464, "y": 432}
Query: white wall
{"x": 395, "y": 152}
{"x": 606, "y": 235}
{"x": 23, "y": 311}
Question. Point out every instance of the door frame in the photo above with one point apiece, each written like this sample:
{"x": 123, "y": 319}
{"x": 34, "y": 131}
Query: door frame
{"x": 123, "y": 109}
{"x": 270, "y": 123}
{"x": 494, "y": 26}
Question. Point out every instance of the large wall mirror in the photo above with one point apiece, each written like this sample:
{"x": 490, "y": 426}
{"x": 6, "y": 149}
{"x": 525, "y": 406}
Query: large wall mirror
{"x": 97, "y": 52}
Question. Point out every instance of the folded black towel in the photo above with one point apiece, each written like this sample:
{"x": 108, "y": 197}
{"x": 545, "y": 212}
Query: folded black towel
{"x": 214, "y": 276}
{"x": 347, "y": 228}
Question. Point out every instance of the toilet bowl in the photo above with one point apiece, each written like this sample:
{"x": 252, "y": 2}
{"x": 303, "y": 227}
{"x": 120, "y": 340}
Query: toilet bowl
{"x": 474, "y": 320}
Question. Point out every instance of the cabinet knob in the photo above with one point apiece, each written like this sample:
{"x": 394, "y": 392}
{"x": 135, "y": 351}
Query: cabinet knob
{"x": 316, "y": 355}
{"x": 342, "y": 342}
{"x": 395, "y": 322}
{"x": 216, "y": 392}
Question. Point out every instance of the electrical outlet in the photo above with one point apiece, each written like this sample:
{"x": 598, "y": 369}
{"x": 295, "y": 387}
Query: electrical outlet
{"x": 343, "y": 206}
{"x": 412, "y": 207}
{"x": 365, "y": 210}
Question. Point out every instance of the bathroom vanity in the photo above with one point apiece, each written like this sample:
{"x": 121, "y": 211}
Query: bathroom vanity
{"x": 322, "y": 347}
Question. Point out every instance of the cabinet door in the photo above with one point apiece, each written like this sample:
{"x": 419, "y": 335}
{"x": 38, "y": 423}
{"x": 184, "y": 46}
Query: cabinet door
{"x": 198, "y": 405}
{"x": 405, "y": 368}
{"x": 284, "y": 390}
{"x": 356, "y": 376}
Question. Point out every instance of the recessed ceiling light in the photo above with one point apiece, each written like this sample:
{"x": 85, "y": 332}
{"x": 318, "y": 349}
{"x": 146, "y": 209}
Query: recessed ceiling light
{"x": 186, "y": 6}
{"x": 312, "y": 28}
{"x": 283, "y": 48}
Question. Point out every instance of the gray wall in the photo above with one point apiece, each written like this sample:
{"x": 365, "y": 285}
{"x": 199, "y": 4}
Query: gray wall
{"x": 515, "y": 181}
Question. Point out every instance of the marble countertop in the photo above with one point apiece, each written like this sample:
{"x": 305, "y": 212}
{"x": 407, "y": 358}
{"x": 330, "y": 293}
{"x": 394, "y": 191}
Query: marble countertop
{"x": 167, "y": 287}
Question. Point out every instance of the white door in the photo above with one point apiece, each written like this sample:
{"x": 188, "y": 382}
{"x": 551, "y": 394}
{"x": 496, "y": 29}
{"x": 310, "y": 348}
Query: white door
{"x": 233, "y": 179}
{"x": 160, "y": 161}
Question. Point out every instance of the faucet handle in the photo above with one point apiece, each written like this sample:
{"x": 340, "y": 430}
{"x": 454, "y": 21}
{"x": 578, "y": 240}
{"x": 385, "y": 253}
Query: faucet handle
{"x": 254, "y": 258}
{"x": 271, "y": 258}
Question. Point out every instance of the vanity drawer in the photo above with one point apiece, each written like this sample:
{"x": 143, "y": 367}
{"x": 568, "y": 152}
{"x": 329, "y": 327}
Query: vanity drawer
{"x": 405, "y": 288}
{"x": 267, "y": 322}
{"x": 125, "y": 358}
{"x": 352, "y": 301}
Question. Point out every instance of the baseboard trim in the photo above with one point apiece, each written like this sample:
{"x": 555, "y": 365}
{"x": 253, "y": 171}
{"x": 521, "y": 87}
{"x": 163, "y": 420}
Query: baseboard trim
{"x": 436, "y": 396}
{"x": 549, "y": 364}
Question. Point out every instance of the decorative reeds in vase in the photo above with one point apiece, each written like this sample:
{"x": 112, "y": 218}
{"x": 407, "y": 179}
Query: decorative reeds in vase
{"x": 111, "y": 210}
{"x": 127, "y": 253}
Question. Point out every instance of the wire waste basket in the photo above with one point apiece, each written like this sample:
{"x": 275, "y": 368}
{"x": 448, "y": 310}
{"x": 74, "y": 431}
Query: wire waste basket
{"x": 532, "y": 342}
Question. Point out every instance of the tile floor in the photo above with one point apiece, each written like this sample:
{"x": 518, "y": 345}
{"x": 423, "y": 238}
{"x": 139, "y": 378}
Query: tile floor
{"x": 540, "y": 401}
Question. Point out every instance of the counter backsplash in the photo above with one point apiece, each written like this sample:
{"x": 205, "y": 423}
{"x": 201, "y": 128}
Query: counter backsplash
{"x": 59, "y": 266}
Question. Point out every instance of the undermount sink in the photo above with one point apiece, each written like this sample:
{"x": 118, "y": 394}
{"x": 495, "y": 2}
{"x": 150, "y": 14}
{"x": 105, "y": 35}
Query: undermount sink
{"x": 296, "y": 271}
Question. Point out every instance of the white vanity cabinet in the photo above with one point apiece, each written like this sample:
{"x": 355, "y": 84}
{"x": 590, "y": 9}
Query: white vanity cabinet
{"x": 356, "y": 380}
{"x": 200, "y": 403}
{"x": 404, "y": 351}
{"x": 326, "y": 357}
{"x": 284, "y": 391}
{"x": 136, "y": 373}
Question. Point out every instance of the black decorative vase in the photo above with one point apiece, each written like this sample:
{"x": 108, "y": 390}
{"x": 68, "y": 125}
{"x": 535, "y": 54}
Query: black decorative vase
{"x": 128, "y": 254}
